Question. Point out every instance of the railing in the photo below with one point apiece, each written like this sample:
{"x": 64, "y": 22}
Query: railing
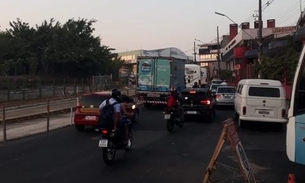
{"x": 10, "y": 116}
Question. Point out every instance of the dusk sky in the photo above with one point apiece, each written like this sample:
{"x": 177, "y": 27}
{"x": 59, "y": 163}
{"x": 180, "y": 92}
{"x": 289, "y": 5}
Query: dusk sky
{"x": 142, "y": 24}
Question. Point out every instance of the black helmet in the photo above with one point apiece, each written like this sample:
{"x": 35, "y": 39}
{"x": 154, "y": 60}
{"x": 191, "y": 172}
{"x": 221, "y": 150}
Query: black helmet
{"x": 174, "y": 91}
{"x": 115, "y": 93}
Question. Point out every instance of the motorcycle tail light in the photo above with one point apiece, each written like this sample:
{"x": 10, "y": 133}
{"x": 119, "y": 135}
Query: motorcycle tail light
{"x": 104, "y": 132}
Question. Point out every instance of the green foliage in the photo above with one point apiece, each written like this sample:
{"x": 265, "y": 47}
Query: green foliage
{"x": 53, "y": 49}
{"x": 275, "y": 67}
{"x": 226, "y": 74}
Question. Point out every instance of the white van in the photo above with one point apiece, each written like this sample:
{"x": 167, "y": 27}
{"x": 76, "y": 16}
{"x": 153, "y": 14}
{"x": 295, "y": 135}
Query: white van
{"x": 260, "y": 100}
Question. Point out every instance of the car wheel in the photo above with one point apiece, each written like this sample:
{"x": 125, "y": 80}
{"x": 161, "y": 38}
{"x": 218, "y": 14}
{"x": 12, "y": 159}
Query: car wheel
{"x": 236, "y": 116}
{"x": 241, "y": 123}
{"x": 80, "y": 127}
{"x": 211, "y": 116}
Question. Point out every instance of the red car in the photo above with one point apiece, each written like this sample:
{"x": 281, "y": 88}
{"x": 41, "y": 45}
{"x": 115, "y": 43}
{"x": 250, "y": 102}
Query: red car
{"x": 87, "y": 110}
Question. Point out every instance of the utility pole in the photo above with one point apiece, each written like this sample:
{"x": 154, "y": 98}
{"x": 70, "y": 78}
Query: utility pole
{"x": 194, "y": 52}
{"x": 218, "y": 54}
{"x": 260, "y": 34}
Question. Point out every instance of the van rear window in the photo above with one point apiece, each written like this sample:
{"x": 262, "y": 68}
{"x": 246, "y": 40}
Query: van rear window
{"x": 264, "y": 92}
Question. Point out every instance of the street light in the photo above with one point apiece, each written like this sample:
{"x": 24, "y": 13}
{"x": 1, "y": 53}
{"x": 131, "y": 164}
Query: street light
{"x": 195, "y": 48}
{"x": 259, "y": 42}
{"x": 221, "y": 14}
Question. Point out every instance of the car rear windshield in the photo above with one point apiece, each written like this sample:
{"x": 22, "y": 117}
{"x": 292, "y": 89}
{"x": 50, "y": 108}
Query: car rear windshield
{"x": 214, "y": 87}
{"x": 226, "y": 90}
{"x": 194, "y": 96}
{"x": 264, "y": 92}
{"x": 94, "y": 100}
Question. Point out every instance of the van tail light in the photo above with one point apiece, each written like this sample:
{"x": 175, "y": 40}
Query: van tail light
{"x": 283, "y": 113}
{"x": 205, "y": 102}
{"x": 104, "y": 132}
{"x": 244, "y": 110}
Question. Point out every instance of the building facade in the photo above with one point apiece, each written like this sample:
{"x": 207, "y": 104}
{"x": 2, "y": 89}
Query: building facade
{"x": 242, "y": 50}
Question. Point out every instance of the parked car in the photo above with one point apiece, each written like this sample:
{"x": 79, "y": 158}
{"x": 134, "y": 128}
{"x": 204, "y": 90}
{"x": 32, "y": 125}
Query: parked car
{"x": 225, "y": 96}
{"x": 216, "y": 81}
{"x": 261, "y": 100}
{"x": 198, "y": 102}
{"x": 87, "y": 110}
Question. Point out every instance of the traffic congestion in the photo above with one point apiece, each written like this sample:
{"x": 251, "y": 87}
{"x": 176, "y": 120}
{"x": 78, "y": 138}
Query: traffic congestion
{"x": 152, "y": 91}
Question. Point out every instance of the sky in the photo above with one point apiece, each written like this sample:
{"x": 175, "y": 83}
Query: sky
{"x": 142, "y": 24}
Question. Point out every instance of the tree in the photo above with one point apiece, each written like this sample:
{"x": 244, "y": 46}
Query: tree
{"x": 275, "y": 67}
{"x": 54, "y": 49}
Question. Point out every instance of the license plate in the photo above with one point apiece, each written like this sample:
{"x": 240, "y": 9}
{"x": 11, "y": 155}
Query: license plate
{"x": 90, "y": 117}
{"x": 153, "y": 95}
{"x": 263, "y": 112}
{"x": 191, "y": 112}
{"x": 167, "y": 116}
{"x": 103, "y": 143}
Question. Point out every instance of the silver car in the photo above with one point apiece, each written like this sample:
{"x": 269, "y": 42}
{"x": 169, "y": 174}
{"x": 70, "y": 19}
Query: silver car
{"x": 225, "y": 96}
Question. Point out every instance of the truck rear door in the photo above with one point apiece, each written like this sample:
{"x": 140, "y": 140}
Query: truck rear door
{"x": 162, "y": 75}
{"x": 146, "y": 74}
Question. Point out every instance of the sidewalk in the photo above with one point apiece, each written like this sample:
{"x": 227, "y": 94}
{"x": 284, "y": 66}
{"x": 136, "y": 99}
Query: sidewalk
{"x": 31, "y": 127}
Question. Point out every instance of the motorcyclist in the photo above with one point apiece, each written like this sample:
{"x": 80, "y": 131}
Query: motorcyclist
{"x": 119, "y": 111}
{"x": 172, "y": 100}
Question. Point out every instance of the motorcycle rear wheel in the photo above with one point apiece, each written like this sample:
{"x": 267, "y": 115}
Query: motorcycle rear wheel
{"x": 128, "y": 148}
{"x": 170, "y": 124}
{"x": 109, "y": 154}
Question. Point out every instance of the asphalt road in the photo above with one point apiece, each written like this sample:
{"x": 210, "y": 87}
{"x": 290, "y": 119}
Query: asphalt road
{"x": 69, "y": 156}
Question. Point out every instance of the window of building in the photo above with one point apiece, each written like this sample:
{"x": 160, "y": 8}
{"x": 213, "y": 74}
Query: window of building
{"x": 204, "y": 64}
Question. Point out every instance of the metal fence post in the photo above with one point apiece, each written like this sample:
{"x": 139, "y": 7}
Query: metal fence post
{"x": 48, "y": 116}
{"x": 83, "y": 87}
{"x": 8, "y": 90}
{"x": 54, "y": 87}
{"x": 40, "y": 88}
{"x": 64, "y": 90}
{"x": 71, "y": 115}
{"x": 4, "y": 124}
{"x": 74, "y": 86}
{"x": 23, "y": 94}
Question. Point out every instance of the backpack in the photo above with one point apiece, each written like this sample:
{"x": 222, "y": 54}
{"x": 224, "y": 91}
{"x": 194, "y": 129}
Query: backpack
{"x": 107, "y": 115}
{"x": 171, "y": 101}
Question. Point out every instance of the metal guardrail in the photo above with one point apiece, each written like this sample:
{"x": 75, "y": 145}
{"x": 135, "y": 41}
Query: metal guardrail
{"x": 41, "y": 110}
{"x": 14, "y": 113}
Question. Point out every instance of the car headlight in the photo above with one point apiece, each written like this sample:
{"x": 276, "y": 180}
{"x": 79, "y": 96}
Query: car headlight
{"x": 133, "y": 106}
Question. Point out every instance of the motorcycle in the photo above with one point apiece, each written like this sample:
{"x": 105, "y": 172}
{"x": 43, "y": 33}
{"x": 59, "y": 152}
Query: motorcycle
{"x": 173, "y": 117}
{"x": 113, "y": 141}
